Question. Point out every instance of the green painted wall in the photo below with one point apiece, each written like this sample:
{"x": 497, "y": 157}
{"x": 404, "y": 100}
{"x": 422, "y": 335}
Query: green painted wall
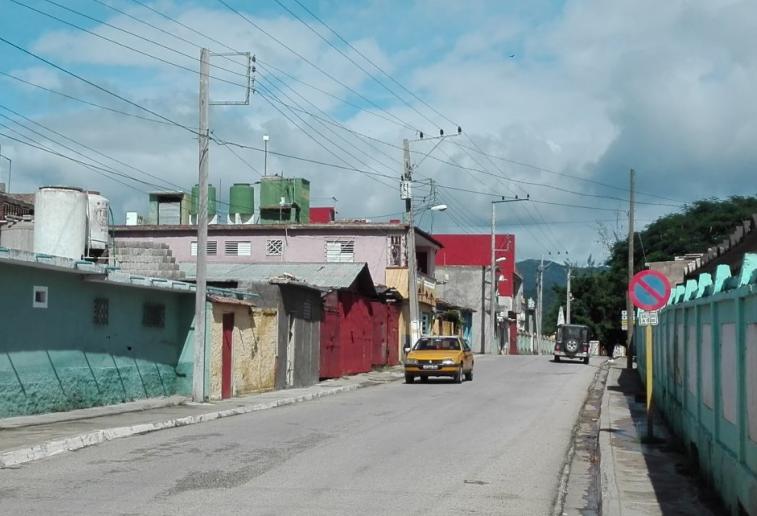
{"x": 58, "y": 359}
{"x": 705, "y": 377}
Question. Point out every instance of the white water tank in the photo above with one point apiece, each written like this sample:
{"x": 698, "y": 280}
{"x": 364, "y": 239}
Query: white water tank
{"x": 60, "y": 221}
{"x": 97, "y": 221}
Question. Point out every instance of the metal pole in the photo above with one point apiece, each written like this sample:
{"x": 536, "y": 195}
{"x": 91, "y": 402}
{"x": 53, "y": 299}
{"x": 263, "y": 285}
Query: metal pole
{"x": 198, "y": 370}
{"x": 567, "y": 301}
{"x": 412, "y": 265}
{"x": 493, "y": 288}
{"x": 629, "y": 303}
{"x": 539, "y": 316}
{"x": 649, "y": 359}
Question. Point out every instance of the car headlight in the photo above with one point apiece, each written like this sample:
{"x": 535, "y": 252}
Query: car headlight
{"x": 448, "y": 361}
{"x": 411, "y": 361}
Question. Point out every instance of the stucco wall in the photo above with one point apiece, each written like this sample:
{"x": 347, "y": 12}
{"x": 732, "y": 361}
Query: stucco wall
{"x": 464, "y": 285}
{"x": 254, "y": 345}
{"x": 371, "y": 248}
{"x": 57, "y": 358}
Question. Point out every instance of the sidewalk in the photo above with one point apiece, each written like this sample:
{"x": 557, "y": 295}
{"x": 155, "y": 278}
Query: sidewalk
{"x": 636, "y": 478}
{"x": 29, "y": 438}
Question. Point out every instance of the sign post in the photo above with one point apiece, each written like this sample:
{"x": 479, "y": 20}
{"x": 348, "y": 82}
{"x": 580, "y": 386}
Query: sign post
{"x": 649, "y": 290}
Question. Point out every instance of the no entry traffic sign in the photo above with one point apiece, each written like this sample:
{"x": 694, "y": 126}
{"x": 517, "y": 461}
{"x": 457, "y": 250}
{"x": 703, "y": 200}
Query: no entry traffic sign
{"x": 649, "y": 290}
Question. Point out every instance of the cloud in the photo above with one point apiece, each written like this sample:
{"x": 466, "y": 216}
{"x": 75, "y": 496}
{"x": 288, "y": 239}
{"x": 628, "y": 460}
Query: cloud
{"x": 594, "y": 89}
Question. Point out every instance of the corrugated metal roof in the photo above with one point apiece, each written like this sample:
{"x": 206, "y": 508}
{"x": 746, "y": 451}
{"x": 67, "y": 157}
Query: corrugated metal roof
{"x": 322, "y": 275}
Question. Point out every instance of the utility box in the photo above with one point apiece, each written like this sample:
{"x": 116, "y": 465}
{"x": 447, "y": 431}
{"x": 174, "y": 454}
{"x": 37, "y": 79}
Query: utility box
{"x": 284, "y": 200}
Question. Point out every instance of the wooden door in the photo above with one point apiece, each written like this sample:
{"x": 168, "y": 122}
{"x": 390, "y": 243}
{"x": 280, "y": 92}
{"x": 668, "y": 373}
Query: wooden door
{"x": 226, "y": 356}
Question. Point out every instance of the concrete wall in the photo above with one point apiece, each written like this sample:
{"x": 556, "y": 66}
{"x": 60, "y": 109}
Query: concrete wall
{"x": 254, "y": 347}
{"x": 300, "y": 311}
{"x": 704, "y": 364}
{"x": 57, "y": 358}
{"x": 464, "y": 285}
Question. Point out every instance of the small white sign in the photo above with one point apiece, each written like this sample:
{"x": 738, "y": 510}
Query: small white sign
{"x": 653, "y": 318}
{"x": 643, "y": 318}
{"x": 624, "y": 315}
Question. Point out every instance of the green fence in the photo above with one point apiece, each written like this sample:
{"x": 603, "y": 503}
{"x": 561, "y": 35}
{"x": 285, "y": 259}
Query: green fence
{"x": 705, "y": 377}
{"x": 528, "y": 344}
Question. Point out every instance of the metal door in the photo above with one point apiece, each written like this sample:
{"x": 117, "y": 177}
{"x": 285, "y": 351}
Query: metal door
{"x": 226, "y": 355}
{"x": 169, "y": 213}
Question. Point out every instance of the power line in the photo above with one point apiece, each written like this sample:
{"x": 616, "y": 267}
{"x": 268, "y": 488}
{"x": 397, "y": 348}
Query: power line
{"x": 351, "y": 60}
{"x": 377, "y": 67}
{"x": 308, "y": 61}
{"x": 123, "y": 45}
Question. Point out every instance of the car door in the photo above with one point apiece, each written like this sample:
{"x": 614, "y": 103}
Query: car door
{"x": 467, "y": 355}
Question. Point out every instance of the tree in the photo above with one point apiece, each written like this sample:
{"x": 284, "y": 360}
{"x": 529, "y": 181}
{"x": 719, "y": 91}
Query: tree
{"x": 599, "y": 294}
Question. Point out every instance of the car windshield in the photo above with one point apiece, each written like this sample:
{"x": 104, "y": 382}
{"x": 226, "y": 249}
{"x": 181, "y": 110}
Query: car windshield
{"x": 429, "y": 343}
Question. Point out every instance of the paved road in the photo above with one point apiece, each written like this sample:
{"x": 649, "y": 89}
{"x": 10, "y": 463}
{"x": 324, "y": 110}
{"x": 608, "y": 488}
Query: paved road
{"x": 495, "y": 445}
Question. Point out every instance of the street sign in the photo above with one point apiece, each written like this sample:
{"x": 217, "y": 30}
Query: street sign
{"x": 648, "y": 318}
{"x": 653, "y": 318}
{"x": 649, "y": 290}
{"x": 643, "y": 318}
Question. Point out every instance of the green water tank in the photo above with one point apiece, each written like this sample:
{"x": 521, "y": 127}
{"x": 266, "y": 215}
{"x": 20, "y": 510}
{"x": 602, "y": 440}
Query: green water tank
{"x": 241, "y": 200}
{"x": 211, "y": 200}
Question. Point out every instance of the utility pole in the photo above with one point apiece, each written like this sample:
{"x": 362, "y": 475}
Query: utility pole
{"x": 493, "y": 275}
{"x": 198, "y": 366}
{"x": 492, "y": 289}
{"x": 629, "y": 303}
{"x": 412, "y": 262}
{"x": 539, "y": 315}
{"x": 567, "y": 301}
{"x": 198, "y": 370}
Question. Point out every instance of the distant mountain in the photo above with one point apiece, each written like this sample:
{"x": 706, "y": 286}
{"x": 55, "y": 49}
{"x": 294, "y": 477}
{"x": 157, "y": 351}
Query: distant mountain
{"x": 554, "y": 274}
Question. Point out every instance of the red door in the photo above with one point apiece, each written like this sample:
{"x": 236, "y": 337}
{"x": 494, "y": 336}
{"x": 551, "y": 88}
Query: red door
{"x": 331, "y": 349}
{"x": 228, "y": 329}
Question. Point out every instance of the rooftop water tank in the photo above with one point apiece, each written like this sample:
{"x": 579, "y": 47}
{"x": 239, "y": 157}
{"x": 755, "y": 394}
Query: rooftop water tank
{"x": 97, "y": 221}
{"x": 194, "y": 208}
{"x": 60, "y": 222}
{"x": 241, "y": 204}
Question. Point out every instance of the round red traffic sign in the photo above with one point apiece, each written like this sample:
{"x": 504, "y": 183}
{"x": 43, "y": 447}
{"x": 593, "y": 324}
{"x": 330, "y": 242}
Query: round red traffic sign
{"x": 649, "y": 290}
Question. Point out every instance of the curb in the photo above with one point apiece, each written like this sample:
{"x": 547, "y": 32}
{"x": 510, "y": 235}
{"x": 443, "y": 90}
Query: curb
{"x": 611, "y": 505}
{"x": 54, "y": 447}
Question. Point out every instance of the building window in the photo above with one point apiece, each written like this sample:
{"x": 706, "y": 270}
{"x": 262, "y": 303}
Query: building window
{"x": 422, "y": 257}
{"x": 340, "y": 251}
{"x": 425, "y": 323}
{"x": 101, "y": 308}
{"x": 232, "y": 248}
{"x": 211, "y": 250}
{"x": 154, "y": 315}
{"x": 395, "y": 251}
{"x": 274, "y": 247}
{"x": 40, "y": 297}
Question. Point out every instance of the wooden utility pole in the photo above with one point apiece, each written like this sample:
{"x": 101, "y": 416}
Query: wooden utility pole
{"x": 629, "y": 303}
{"x": 412, "y": 262}
{"x": 567, "y": 300}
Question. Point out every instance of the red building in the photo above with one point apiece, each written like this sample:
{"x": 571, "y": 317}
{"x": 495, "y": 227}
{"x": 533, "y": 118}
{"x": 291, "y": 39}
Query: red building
{"x": 473, "y": 252}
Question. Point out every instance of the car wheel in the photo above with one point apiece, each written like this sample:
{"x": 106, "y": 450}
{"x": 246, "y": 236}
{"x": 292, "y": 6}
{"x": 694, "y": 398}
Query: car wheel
{"x": 469, "y": 376}
{"x": 557, "y": 359}
{"x": 424, "y": 379}
{"x": 459, "y": 375}
{"x": 409, "y": 378}
{"x": 586, "y": 360}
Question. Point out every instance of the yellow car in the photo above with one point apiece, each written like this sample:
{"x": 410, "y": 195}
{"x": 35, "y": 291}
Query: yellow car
{"x": 439, "y": 356}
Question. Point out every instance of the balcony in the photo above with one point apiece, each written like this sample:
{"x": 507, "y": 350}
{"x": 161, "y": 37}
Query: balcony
{"x": 398, "y": 278}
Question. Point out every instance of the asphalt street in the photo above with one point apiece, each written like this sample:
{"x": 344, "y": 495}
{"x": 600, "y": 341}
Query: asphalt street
{"x": 496, "y": 445}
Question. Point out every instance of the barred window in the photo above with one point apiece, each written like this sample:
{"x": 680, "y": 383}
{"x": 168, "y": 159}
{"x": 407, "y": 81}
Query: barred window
{"x": 340, "y": 251}
{"x": 154, "y": 315}
{"x": 101, "y": 309}
{"x": 274, "y": 247}
{"x": 395, "y": 250}
{"x": 233, "y": 248}
{"x": 212, "y": 248}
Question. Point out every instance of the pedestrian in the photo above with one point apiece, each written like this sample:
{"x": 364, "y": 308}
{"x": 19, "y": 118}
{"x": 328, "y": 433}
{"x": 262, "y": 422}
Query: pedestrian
{"x": 609, "y": 350}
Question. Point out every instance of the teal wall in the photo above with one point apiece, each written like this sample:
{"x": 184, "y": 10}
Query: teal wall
{"x": 705, "y": 377}
{"x": 57, "y": 359}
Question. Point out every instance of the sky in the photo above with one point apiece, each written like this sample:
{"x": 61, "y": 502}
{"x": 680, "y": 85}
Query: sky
{"x": 557, "y": 101}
